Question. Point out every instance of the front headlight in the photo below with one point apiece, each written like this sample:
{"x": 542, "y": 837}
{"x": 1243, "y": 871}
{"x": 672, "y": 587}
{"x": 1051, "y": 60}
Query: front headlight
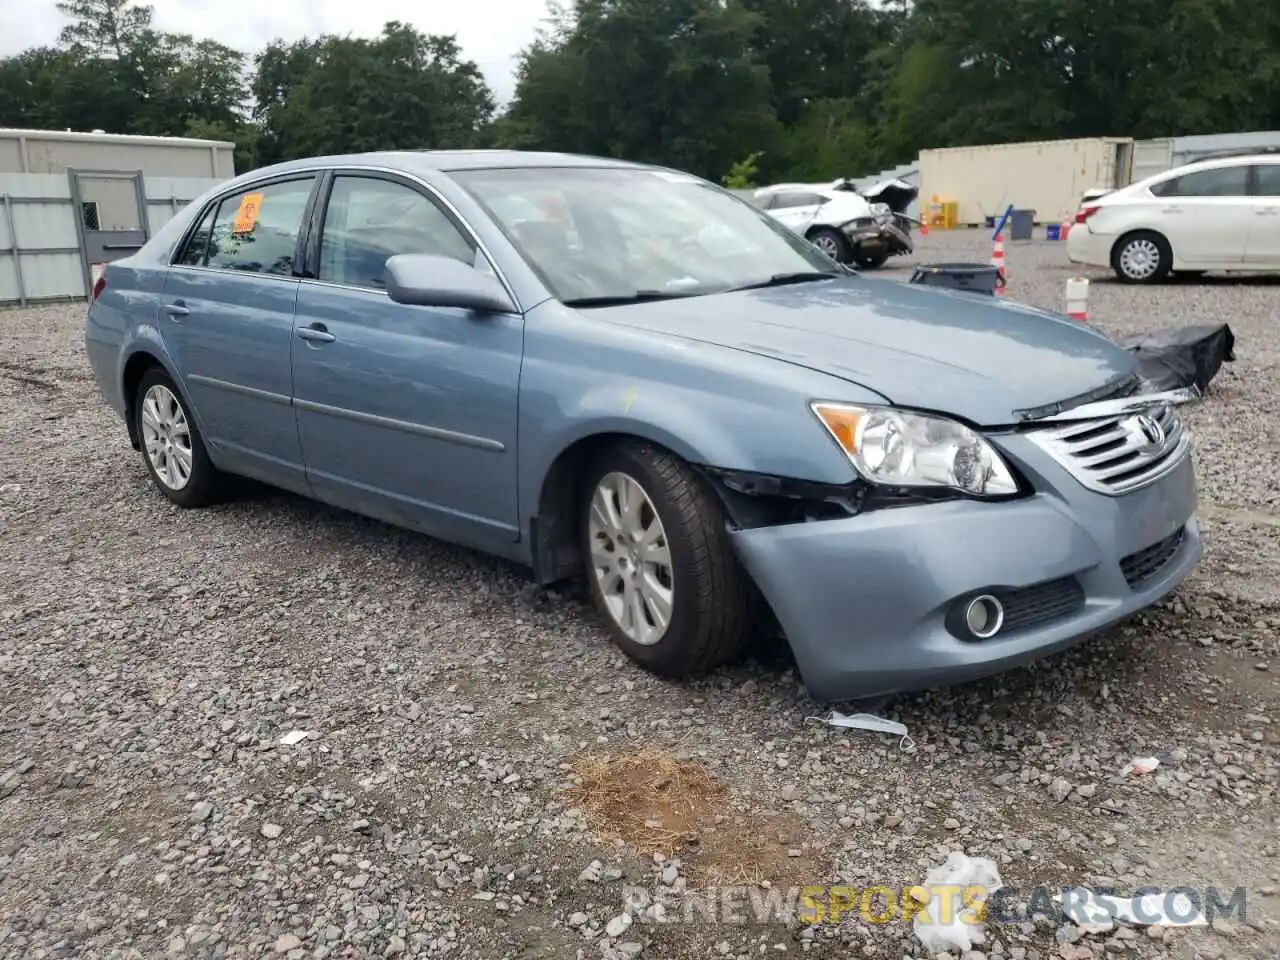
{"x": 900, "y": 449}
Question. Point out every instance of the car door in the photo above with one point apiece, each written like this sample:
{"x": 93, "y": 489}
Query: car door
{"x": 407, "y": 413}
{"x": 227, "y": 314}
{"x": 1264, "y": 233}
{"x": 797, "y": 210}
{"x": 1206, "y": 215}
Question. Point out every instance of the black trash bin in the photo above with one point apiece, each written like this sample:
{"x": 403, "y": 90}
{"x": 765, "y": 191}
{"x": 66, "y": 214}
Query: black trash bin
{"x": 1022, "y": 224}
{"x": 973, "y": 277}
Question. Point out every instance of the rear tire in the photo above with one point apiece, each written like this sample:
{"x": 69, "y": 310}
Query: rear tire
{"x": 873, "y": 261}
{"x": 172, "y": 448}
{"x": 831, "y": 242}
{"x": 659, "y": 563}
{"x": 1142, "y": 257}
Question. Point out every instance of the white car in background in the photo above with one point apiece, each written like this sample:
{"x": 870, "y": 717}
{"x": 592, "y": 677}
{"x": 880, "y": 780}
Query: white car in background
{"x": 1215, "y": 214}
{"x": 838, "y": 220}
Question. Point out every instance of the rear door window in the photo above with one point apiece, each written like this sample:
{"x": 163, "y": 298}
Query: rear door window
{"x": 1215, "y": 182}
{"x": 257, "y": 231}
{"x": 785, "y": 201}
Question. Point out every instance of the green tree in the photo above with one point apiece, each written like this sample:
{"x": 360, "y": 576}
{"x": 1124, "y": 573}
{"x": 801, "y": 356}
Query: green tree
{"x": 669, "y": 81}
{"x": 113, "y": 71}
{"x": 402, "y": 90}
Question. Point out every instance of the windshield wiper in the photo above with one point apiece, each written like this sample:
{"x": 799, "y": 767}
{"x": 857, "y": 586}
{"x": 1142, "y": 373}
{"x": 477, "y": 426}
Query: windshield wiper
{"x": 640, "y": 296}
{"x": 785, "y": 279}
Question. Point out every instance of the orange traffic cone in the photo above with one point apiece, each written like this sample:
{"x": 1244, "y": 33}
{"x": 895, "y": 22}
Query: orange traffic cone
{"x": 924, "y": 228}
{"x": 997, "y": 261}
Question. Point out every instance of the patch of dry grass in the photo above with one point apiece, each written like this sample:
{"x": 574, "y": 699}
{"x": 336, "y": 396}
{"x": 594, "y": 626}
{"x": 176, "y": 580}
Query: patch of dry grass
{"x": 656, "y": 803}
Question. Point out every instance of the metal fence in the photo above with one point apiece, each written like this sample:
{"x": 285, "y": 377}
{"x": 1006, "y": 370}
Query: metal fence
{"x": 45, "y": 224}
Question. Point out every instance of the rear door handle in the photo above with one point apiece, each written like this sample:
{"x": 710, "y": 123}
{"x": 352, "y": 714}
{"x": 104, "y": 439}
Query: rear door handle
{"x": 176, "y": 309}
{"x": 316, "y": 333}
{"x": 1172, "y": 209}
{"x": 1267, "y": 211}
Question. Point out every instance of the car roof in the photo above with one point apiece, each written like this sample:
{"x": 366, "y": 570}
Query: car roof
{"x": 1211, "y": 162}
{"x": 794, "y": 188}
{"x": 448, "y": 161}
{"x": 1218, "y": 160}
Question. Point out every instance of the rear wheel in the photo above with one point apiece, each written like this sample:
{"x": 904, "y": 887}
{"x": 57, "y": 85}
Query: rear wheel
{"x": 660, "y": 567}
{"x": 871, "y": 261}
{"x": 1142, "y": 257}
{"x": 172, "y": 447}
{"x": 831, "y": 242}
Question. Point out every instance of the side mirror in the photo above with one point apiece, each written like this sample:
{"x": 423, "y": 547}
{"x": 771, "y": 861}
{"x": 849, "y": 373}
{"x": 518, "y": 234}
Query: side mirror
{"x": 427, "y": 280}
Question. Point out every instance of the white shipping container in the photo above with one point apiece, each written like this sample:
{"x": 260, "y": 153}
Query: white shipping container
{"x": 1047, "y": 176}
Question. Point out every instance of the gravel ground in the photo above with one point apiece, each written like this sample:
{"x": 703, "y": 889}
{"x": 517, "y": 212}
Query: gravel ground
{"x": 486, "y": 775}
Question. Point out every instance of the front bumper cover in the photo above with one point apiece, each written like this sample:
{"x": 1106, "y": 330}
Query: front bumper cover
{"x": 865, "y": 600}
{"x": 867, "y": 234}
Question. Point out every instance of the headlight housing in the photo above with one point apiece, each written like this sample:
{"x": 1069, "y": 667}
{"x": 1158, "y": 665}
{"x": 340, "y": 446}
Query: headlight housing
{"x": 897, "y": 448}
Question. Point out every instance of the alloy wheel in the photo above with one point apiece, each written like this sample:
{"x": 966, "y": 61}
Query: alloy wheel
{"x": 828, "y": 245}
{"x": 631, "y": 558}
{"x": 166, "y": 436}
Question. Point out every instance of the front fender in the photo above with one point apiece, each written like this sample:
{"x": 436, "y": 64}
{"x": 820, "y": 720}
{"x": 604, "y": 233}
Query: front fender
{"x": 709, "y": 404}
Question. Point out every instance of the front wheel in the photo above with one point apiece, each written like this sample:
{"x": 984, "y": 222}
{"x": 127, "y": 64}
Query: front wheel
{"x": 1142, "y": 257}
{"x": 172, "y": 447}
{"x": 831, "y": 242}
{"x": 660, "y": 567}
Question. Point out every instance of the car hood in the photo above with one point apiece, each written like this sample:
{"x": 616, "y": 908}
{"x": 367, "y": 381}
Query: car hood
{"x": 975, "y": 357}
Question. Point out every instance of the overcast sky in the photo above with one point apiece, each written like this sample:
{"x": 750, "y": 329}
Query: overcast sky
{"x": 491, "y": 32}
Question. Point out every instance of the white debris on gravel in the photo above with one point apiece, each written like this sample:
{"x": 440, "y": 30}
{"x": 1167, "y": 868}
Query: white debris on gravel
{"x": 151, "y": 659}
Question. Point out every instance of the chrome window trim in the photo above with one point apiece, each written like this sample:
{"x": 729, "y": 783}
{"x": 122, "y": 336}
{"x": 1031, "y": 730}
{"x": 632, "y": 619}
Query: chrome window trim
{"x": 337, "y": 171}
{"x": 216, "y": 201}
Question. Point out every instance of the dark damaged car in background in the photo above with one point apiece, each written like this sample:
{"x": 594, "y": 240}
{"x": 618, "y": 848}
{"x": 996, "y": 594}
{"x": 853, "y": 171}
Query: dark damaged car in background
{"x": 625, "y": 373}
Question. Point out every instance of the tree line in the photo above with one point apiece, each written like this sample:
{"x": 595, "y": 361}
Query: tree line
{"x": 768, "y": 89}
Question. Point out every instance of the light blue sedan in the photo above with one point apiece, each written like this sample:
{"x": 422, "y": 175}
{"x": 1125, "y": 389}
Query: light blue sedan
{"x": 535, "y": 355}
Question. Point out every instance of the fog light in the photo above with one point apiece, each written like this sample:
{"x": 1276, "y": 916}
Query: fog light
{"x": 984, "y": 616}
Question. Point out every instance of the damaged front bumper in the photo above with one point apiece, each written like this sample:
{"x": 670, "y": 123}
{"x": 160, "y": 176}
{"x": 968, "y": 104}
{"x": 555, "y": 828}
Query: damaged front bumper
{"x": 875, "y": 234}
{"x": 874, "y": 601}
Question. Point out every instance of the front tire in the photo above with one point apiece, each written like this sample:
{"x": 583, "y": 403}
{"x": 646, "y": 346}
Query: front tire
{"x": 831, "y": 242}
{"x": 659, "y": 563}
{"x": 172, "y": 448}
{"x": 1142, "y": 257}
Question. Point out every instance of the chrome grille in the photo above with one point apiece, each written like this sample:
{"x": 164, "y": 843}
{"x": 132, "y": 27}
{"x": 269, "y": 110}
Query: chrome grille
{"x": 1120, "y": 453}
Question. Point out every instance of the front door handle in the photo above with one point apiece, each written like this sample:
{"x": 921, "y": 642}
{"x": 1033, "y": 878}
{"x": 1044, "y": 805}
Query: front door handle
{"x": 316, "y": 333}
{"x": 1172, "y": 209}
{"x": 1266, "y": 211}
{"x": 176, "y": 309}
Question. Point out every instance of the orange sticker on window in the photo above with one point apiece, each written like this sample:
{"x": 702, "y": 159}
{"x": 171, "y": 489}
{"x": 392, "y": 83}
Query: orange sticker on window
{"x": 247, "y": 215}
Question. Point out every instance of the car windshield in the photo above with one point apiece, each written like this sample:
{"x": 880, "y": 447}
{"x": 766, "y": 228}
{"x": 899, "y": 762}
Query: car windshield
{"x": 600, "y": 235}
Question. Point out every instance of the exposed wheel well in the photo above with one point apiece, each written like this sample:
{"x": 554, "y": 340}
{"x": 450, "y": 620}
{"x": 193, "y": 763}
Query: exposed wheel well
{"x": 557, "y": 553}
{"x": 749, "y": 500}
{"x": 134, "y": 370}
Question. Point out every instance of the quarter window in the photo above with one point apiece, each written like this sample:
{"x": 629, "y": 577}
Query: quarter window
{"x": 1268, "y": 179}
{"x": 256, "y": 231}
{"x": 1215, "y": 182}
{"x": 198, "y": 243}
{"x": 369, "y": 220}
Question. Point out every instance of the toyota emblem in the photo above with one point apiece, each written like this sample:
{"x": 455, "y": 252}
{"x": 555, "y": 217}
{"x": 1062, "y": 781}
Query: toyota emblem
{"x": 1150, "y": 429}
